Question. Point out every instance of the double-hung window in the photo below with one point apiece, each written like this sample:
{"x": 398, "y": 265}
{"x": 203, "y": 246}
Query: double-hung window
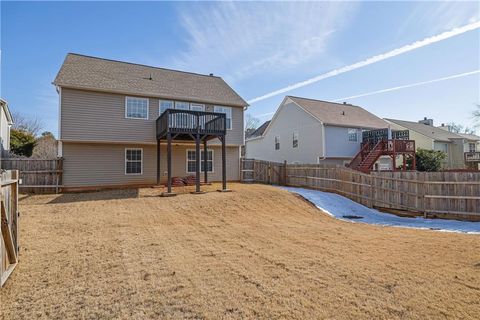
{"x": 136, "y": 108}
{"x": 164, "y": 105}
{"x": 228, "y": 114}
{"x": 191, "y": 160}
{"x": 133, "y": 161}
{"x": 197, "y": 107}
{"x": 352, "y": 135}
{"x": 295, "y": 139}
{"x": 472, "y": 147}
{"x": 277, "y": 143}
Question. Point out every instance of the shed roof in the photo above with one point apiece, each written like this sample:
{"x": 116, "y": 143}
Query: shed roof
{"x": 92, "y": 73}
{"x": 339, "y": 114}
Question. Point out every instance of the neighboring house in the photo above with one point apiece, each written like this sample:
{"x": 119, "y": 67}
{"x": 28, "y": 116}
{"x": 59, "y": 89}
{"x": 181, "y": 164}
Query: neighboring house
{"x": 6, "y": 122}
{"x": 108, "y": 128}
{"x": 429, "y": 137}
{"x": 312, "y": 131}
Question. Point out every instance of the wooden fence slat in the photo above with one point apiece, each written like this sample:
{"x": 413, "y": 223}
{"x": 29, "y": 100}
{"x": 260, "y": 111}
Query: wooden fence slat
{"x": 455, "y": 193}
{"x": 37, "y": 175}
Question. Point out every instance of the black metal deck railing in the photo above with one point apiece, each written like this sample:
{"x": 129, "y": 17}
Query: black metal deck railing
{"x": 191, "y": 122}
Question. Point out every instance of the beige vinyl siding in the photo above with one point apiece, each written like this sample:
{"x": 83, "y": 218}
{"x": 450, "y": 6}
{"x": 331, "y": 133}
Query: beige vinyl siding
{"x": 99, "y": 116}
{"x": 91, "y": 164}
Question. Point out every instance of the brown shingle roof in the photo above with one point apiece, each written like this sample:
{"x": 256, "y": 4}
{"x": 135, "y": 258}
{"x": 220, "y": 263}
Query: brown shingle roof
{"x": 84, "y": 72}
{"x": 338, "y": 114}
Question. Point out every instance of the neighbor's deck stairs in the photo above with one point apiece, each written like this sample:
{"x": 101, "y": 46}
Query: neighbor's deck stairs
{"x": 367, "y": 157}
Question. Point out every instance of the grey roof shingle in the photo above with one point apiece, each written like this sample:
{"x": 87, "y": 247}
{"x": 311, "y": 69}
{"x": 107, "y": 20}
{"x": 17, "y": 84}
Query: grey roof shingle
{"x": 260, "y": 130}
{"x": 338, "y": 114}
{"x": 427, "y": 130}
{"x": 84, "y": 72}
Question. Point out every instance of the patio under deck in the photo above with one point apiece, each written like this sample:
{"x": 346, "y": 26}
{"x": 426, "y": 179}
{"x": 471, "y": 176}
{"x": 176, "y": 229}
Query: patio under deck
{"x": 188, "y": 125}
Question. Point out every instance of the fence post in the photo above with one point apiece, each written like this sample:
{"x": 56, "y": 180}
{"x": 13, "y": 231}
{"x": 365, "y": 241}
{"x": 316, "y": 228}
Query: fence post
{"x": 285, "y": 172}
{"x": 372, "y": 190}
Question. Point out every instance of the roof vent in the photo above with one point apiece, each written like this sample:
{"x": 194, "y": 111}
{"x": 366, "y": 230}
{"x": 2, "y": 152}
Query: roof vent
{"x": 344, "y": 102}
{"x": 343, "y": 113}
{"x": 211, "y": 74}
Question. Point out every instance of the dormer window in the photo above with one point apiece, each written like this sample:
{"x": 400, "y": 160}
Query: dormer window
{"x": 136, "y": 108}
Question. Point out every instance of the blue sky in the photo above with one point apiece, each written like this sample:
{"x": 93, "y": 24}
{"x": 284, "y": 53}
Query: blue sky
{"x": 258, "y": 47}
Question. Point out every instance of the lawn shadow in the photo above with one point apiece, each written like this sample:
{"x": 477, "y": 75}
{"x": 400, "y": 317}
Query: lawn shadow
{"x": 96, "y": 196}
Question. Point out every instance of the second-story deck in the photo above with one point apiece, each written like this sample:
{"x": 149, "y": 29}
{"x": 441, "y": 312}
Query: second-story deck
{"x": 199, "y": 126}
{"x": 186, "y": 124}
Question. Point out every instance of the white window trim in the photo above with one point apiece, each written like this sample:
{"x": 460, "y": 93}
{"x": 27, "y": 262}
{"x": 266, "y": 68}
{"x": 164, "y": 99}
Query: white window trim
{"x": 201, "y": 162}
{"x": 160, "y": 105}
{"x": 141, "y": 162}
{"x": 275, "y": 143}
{"x": 175, "y": 104}
{"x": 197, "y": 105}
{"x": 148, "y": 108}
{"x": 231, "y": 112}
{"x": 293, "y": 139}
{"x": 356, "y": 135}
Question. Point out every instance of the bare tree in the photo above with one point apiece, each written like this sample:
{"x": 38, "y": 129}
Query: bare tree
{"x": 251, "y": 122}
{"x": 476, "y": 116}
{"x": 458, "y": 128}
{"x": 29, "y": 123}
{"x": 45, "y": 147}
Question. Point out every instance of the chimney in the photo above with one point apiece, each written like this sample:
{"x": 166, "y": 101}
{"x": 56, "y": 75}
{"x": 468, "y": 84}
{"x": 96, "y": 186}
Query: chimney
{"x": 426, "y": 121}
{"x": 445, "y": 127}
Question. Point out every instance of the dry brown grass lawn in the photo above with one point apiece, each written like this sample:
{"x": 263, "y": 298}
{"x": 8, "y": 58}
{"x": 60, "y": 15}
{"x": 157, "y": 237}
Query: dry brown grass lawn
{"x": 258, "y": 252}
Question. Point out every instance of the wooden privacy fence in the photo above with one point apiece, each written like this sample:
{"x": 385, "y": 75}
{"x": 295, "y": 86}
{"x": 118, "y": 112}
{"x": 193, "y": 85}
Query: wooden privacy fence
{"x": 443, "y": 194}
{"x": 37, "y": 175}
{"x": 9, "y": 219}
{"x": 260, "y": 171}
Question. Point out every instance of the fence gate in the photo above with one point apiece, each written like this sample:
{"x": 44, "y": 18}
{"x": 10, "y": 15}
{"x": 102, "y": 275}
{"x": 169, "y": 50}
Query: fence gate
{"x": 260, "y": 171}
{"x": 9, "y": 220}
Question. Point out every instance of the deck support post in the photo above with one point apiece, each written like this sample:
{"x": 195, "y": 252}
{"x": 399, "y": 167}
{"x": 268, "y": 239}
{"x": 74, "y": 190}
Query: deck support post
{"x": 169, "y": 161}
{"x": 205, "y": 162}
{"x": 197, "y": 163}
{"x": 158, "y": 161}
{"x": 224, "y": 165}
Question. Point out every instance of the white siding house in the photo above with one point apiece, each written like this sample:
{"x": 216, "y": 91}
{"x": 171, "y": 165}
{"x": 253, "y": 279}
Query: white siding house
{"x": 5, "y": 125}
{"x": 311, "y": 131}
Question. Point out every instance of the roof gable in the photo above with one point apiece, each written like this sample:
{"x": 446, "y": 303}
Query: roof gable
{"x": 337, "y": 114}
{"x": 90, "y": 73}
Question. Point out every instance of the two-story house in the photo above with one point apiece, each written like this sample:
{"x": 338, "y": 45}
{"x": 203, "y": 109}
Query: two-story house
{"x": 109, "y": 123}
{"x": 312, "y": 131}
{"x": 457, "y": 147}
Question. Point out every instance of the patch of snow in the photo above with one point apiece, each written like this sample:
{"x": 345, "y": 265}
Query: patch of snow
{"x": 345, "y": 209}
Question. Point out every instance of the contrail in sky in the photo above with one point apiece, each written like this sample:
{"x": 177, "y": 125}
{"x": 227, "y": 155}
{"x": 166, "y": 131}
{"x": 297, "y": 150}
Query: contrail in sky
{"x": 460, "y": 75}
{"x": 408, "y": 85}
{"x": 390, "y": 54}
